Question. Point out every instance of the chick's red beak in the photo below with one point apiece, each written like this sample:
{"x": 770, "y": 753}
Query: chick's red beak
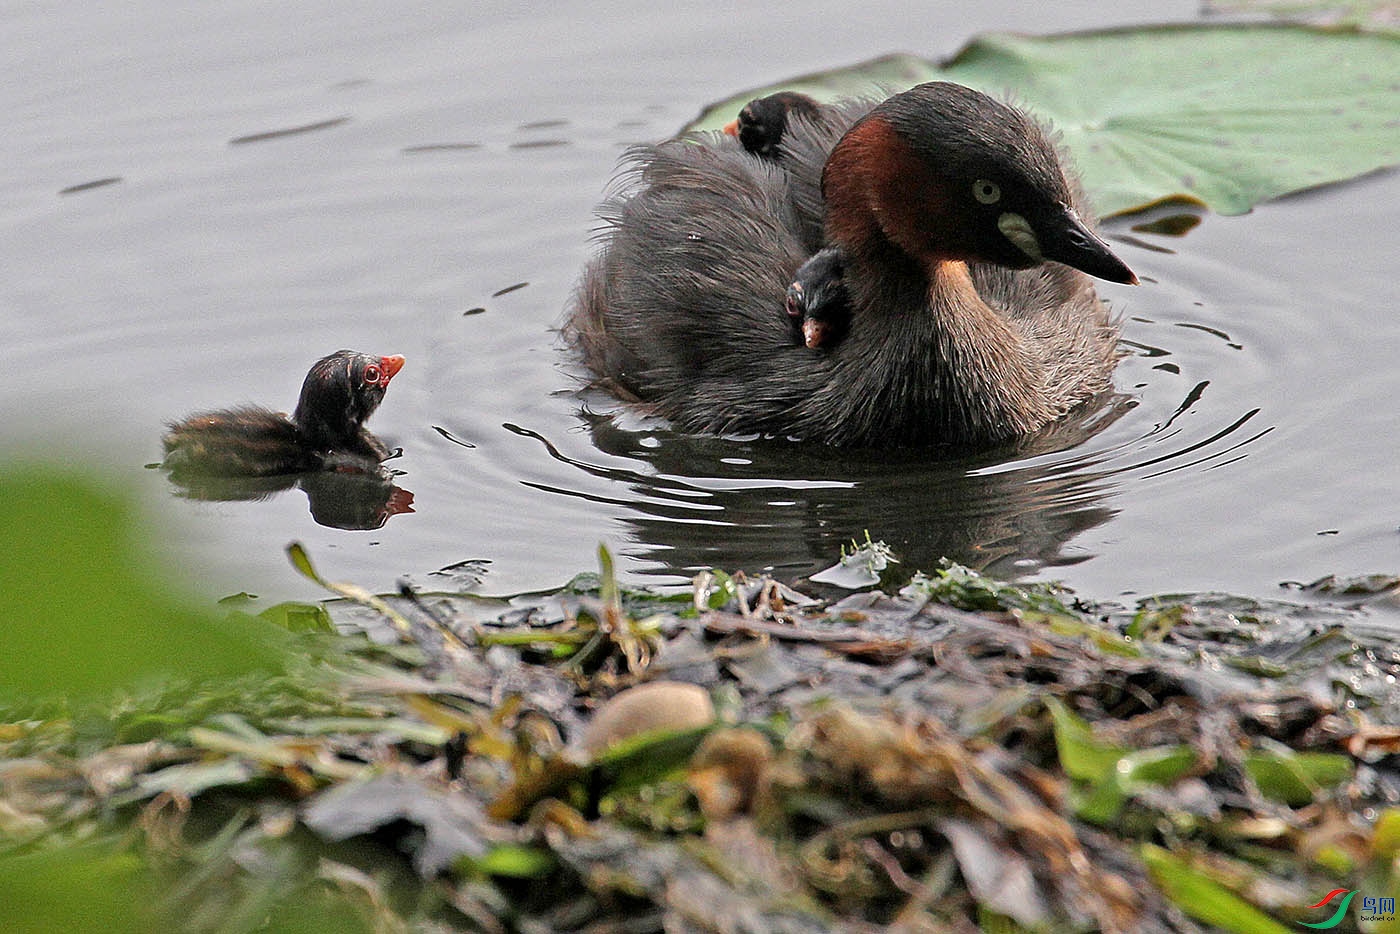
{"x": 732, "y": 128}
{"x": 389, "y": 366}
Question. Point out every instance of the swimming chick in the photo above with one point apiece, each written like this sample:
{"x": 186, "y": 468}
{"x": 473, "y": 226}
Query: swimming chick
{"x": 326, "y": 431}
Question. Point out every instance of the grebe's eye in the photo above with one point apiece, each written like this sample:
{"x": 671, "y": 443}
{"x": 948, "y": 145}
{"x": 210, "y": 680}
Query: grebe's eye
{"x": 372, "y": 375}
{"x": 986, "y": 192}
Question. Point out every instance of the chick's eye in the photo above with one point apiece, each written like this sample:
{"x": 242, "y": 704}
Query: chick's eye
{"x": 371, "y": 374}
{"x": 986, "y": 192}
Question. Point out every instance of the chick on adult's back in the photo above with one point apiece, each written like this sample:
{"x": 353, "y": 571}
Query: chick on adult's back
{"x": 964, "y": 253}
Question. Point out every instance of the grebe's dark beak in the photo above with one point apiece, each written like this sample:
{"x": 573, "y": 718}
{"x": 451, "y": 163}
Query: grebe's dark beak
{"x": 1066, "y": 239}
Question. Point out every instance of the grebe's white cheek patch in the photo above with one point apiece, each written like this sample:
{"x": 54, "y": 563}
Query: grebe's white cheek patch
{"x": 1016, "y": 229}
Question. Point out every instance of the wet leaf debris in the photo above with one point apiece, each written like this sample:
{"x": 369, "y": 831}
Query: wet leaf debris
{"x": 959, "y": 754}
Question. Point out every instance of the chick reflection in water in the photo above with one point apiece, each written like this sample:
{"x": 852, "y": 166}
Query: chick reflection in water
{"x": 250, "y": 452}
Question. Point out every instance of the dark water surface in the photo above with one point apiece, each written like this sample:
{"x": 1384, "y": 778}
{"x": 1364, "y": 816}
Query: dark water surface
{"x": 168, "y": 249}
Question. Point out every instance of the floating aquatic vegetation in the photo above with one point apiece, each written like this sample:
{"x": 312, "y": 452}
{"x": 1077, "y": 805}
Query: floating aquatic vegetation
{"x": 963, "y": 752}
{"x": 1225, "y": 115}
